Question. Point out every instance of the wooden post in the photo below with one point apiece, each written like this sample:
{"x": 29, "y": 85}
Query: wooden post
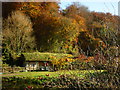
{"x": 3, "y": 70}
{"x": 12, "y": 69}
{"x": 29, "y": 67}
{"x": 33, "y": 66}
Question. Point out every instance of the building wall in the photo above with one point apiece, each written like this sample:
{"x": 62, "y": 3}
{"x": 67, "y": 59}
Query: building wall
{"x": 38, "y": 66}
{"x": 32, "y": 65}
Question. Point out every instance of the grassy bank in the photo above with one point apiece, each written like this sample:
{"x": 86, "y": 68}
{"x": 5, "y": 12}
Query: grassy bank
{"x": 52, "y": 74}
{"x": 58, "y": 79}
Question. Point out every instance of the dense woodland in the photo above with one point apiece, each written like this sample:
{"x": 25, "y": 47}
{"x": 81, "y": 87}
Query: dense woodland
{"x": 44, "y": 27}
{"x": 82, "y": 45}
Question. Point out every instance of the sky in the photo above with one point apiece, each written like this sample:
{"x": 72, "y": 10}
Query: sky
{"x": 93, "y": 5}
{"x": 102, "y": 6}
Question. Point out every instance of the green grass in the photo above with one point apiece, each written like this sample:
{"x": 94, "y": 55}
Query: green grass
{"x": 58, "y": 79}
{"x": 53, "y": 74}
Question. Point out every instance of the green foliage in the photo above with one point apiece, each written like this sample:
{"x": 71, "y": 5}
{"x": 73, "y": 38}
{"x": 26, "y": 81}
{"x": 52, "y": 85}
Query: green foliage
{"x": 5, "y": 53}
{"x": 5, "y": 65}
{"x": 7, "y": 56}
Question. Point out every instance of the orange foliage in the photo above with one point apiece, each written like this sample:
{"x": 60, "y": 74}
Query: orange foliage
{"x": 82, "y": 56}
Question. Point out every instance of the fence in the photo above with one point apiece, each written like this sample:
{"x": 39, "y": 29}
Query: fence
{"x": 12, "y": 69}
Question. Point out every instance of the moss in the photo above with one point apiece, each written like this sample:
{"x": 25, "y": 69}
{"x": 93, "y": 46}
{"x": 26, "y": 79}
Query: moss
{"x": 38, "y": 56}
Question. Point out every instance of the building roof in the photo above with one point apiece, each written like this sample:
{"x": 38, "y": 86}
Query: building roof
{"x": 38, "y": 56}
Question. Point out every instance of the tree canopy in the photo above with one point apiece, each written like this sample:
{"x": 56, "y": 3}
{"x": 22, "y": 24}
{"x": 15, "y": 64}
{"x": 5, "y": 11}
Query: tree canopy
{"x": 70, "y": 30}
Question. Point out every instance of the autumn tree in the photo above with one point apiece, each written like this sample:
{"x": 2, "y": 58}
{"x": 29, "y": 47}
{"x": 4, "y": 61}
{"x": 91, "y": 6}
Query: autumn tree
{"x": 85, "y": 41}
{"x": 17, "y": 32}
{"x": 52, "y": 30}
{"x": 50, "y": 27}
{"x": 88, "y": 43}
{"x": 32, "y": 9}
{"x": 76, "y": 9}
{"x": 105, "y": 27}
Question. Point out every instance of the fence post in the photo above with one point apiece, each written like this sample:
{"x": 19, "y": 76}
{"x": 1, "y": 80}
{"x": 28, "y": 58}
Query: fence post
{"x": 12, "y": 69}
{"x": 3, "y": 70}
